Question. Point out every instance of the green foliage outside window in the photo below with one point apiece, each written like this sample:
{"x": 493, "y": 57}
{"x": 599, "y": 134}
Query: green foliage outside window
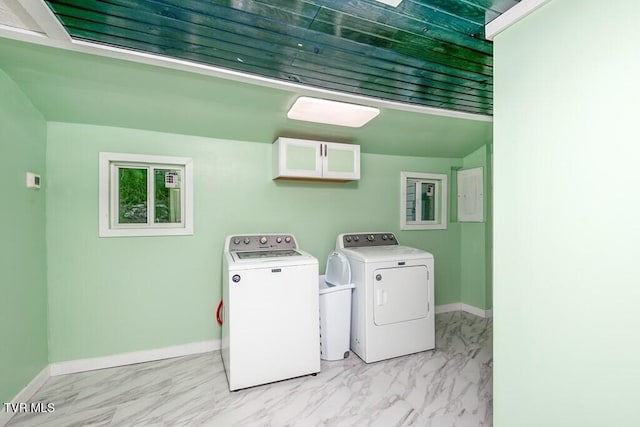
{"x": 167, "y": 200}
{"x": 132, "y": 188}
{"x": 133, "y": 198}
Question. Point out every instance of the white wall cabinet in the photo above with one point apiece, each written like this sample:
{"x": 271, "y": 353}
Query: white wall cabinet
{"x": 315, "y": 160}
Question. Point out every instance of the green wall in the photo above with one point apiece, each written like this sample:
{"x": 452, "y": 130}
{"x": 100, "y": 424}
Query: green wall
{"x": 566, "y": 222}
{"x": 114, "y": 295}
{"x": 475, "y": 283}
{"x": 23, "y": 292}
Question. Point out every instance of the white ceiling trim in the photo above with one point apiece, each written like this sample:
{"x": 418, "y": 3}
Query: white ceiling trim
{"x": 14, "y": 15}
{"x": 511, "y": 16}
{"x": 68, "y": 43}
{"x": 44, "y": 17}
{"x": 21, "y": 34}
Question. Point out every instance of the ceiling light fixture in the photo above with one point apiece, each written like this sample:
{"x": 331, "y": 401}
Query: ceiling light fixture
{"x": 331, "y": 112}
{"x": 393, "y": 3}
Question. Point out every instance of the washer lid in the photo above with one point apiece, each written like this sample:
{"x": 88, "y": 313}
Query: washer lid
{"x": 338, "y": 270}
{"x": 386, "y": 253}
{"x": 268, "y": 254}
{"x": 256, "y": 261}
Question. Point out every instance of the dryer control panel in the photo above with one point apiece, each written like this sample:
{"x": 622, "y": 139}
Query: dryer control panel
{"x": 359, "y": 240}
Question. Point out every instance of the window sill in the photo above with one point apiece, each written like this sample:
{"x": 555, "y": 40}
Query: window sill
{"x": 141, "y": 232}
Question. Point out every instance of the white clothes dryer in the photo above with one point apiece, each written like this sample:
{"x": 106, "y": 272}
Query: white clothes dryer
{"x": 392, "y": 306}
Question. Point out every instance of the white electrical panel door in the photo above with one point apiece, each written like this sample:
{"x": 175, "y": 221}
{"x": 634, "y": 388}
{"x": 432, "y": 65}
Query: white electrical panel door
{"x": 400, "y": 294}
{"x": 470, "y": 195}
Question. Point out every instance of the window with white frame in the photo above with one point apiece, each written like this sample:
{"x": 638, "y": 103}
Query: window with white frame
{"x": 423, "y": 204}
{"x": 142, "y": 195}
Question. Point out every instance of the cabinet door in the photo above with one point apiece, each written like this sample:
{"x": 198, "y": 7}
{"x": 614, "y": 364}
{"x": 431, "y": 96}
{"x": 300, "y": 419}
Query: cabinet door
{"x": 341, "y": 161}
{"x": 298, "y": 158}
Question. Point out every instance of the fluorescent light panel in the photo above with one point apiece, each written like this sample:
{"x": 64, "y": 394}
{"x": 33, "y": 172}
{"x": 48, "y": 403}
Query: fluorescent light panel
{"x": 331, "y": 112}
{"x": 393, "y": 3}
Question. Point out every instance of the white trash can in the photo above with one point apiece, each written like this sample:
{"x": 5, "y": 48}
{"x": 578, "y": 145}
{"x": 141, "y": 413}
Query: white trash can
{"x": 335, "y": 308}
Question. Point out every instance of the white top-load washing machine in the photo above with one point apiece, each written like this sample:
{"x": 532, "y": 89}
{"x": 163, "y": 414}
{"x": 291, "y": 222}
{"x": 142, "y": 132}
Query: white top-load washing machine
{"x": 270, "y": 310}
{"x": 392, "y": 306}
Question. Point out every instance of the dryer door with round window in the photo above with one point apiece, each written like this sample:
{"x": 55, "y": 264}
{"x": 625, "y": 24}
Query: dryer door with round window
{"x": 400, "y": 294}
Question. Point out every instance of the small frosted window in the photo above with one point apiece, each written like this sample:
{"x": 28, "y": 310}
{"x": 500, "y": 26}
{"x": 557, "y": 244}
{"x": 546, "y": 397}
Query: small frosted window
{"x": 424, "y": 201}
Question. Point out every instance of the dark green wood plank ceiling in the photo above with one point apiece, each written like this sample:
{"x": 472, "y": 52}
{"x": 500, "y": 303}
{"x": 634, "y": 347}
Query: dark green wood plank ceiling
{"x": 424, "y": 52}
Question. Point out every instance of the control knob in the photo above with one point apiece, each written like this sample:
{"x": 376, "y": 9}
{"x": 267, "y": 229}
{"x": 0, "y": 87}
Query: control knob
{"x": 356, "y": 238}
{"x": 384, "y": 237}
{"x": 278, "y": 239}
{"x": 236, "y": 241}
{"x": 371, "y": 237}
{"x": 263, "y": 240}
{"x": 348, "y": 238}
{"x": 287, "y": 239}
{"x": 246, "y": 240}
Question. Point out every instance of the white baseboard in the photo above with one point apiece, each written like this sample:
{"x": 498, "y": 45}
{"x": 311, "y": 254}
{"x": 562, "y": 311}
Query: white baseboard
{"x": 446, "y": 308}
{"x": 473, "y": 310}
{"x": 26, "y": 393}
{"x": 459, "y": 306}
{"x": 82, "y": 365}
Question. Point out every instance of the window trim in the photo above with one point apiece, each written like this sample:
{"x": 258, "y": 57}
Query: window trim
{"x": 441, "y": 203}
{"x": 106, "y": 227}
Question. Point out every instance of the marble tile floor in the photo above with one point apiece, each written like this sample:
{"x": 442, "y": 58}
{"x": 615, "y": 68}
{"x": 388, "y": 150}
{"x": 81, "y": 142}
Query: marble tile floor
{"x": 447, "y": 387}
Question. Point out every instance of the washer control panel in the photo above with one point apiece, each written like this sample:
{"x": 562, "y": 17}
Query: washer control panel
{"x": 253, "y": 242}
{"x": 357, "y": 240}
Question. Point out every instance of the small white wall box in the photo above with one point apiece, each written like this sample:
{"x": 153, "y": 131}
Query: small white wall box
{"x": 33, "y": 180}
